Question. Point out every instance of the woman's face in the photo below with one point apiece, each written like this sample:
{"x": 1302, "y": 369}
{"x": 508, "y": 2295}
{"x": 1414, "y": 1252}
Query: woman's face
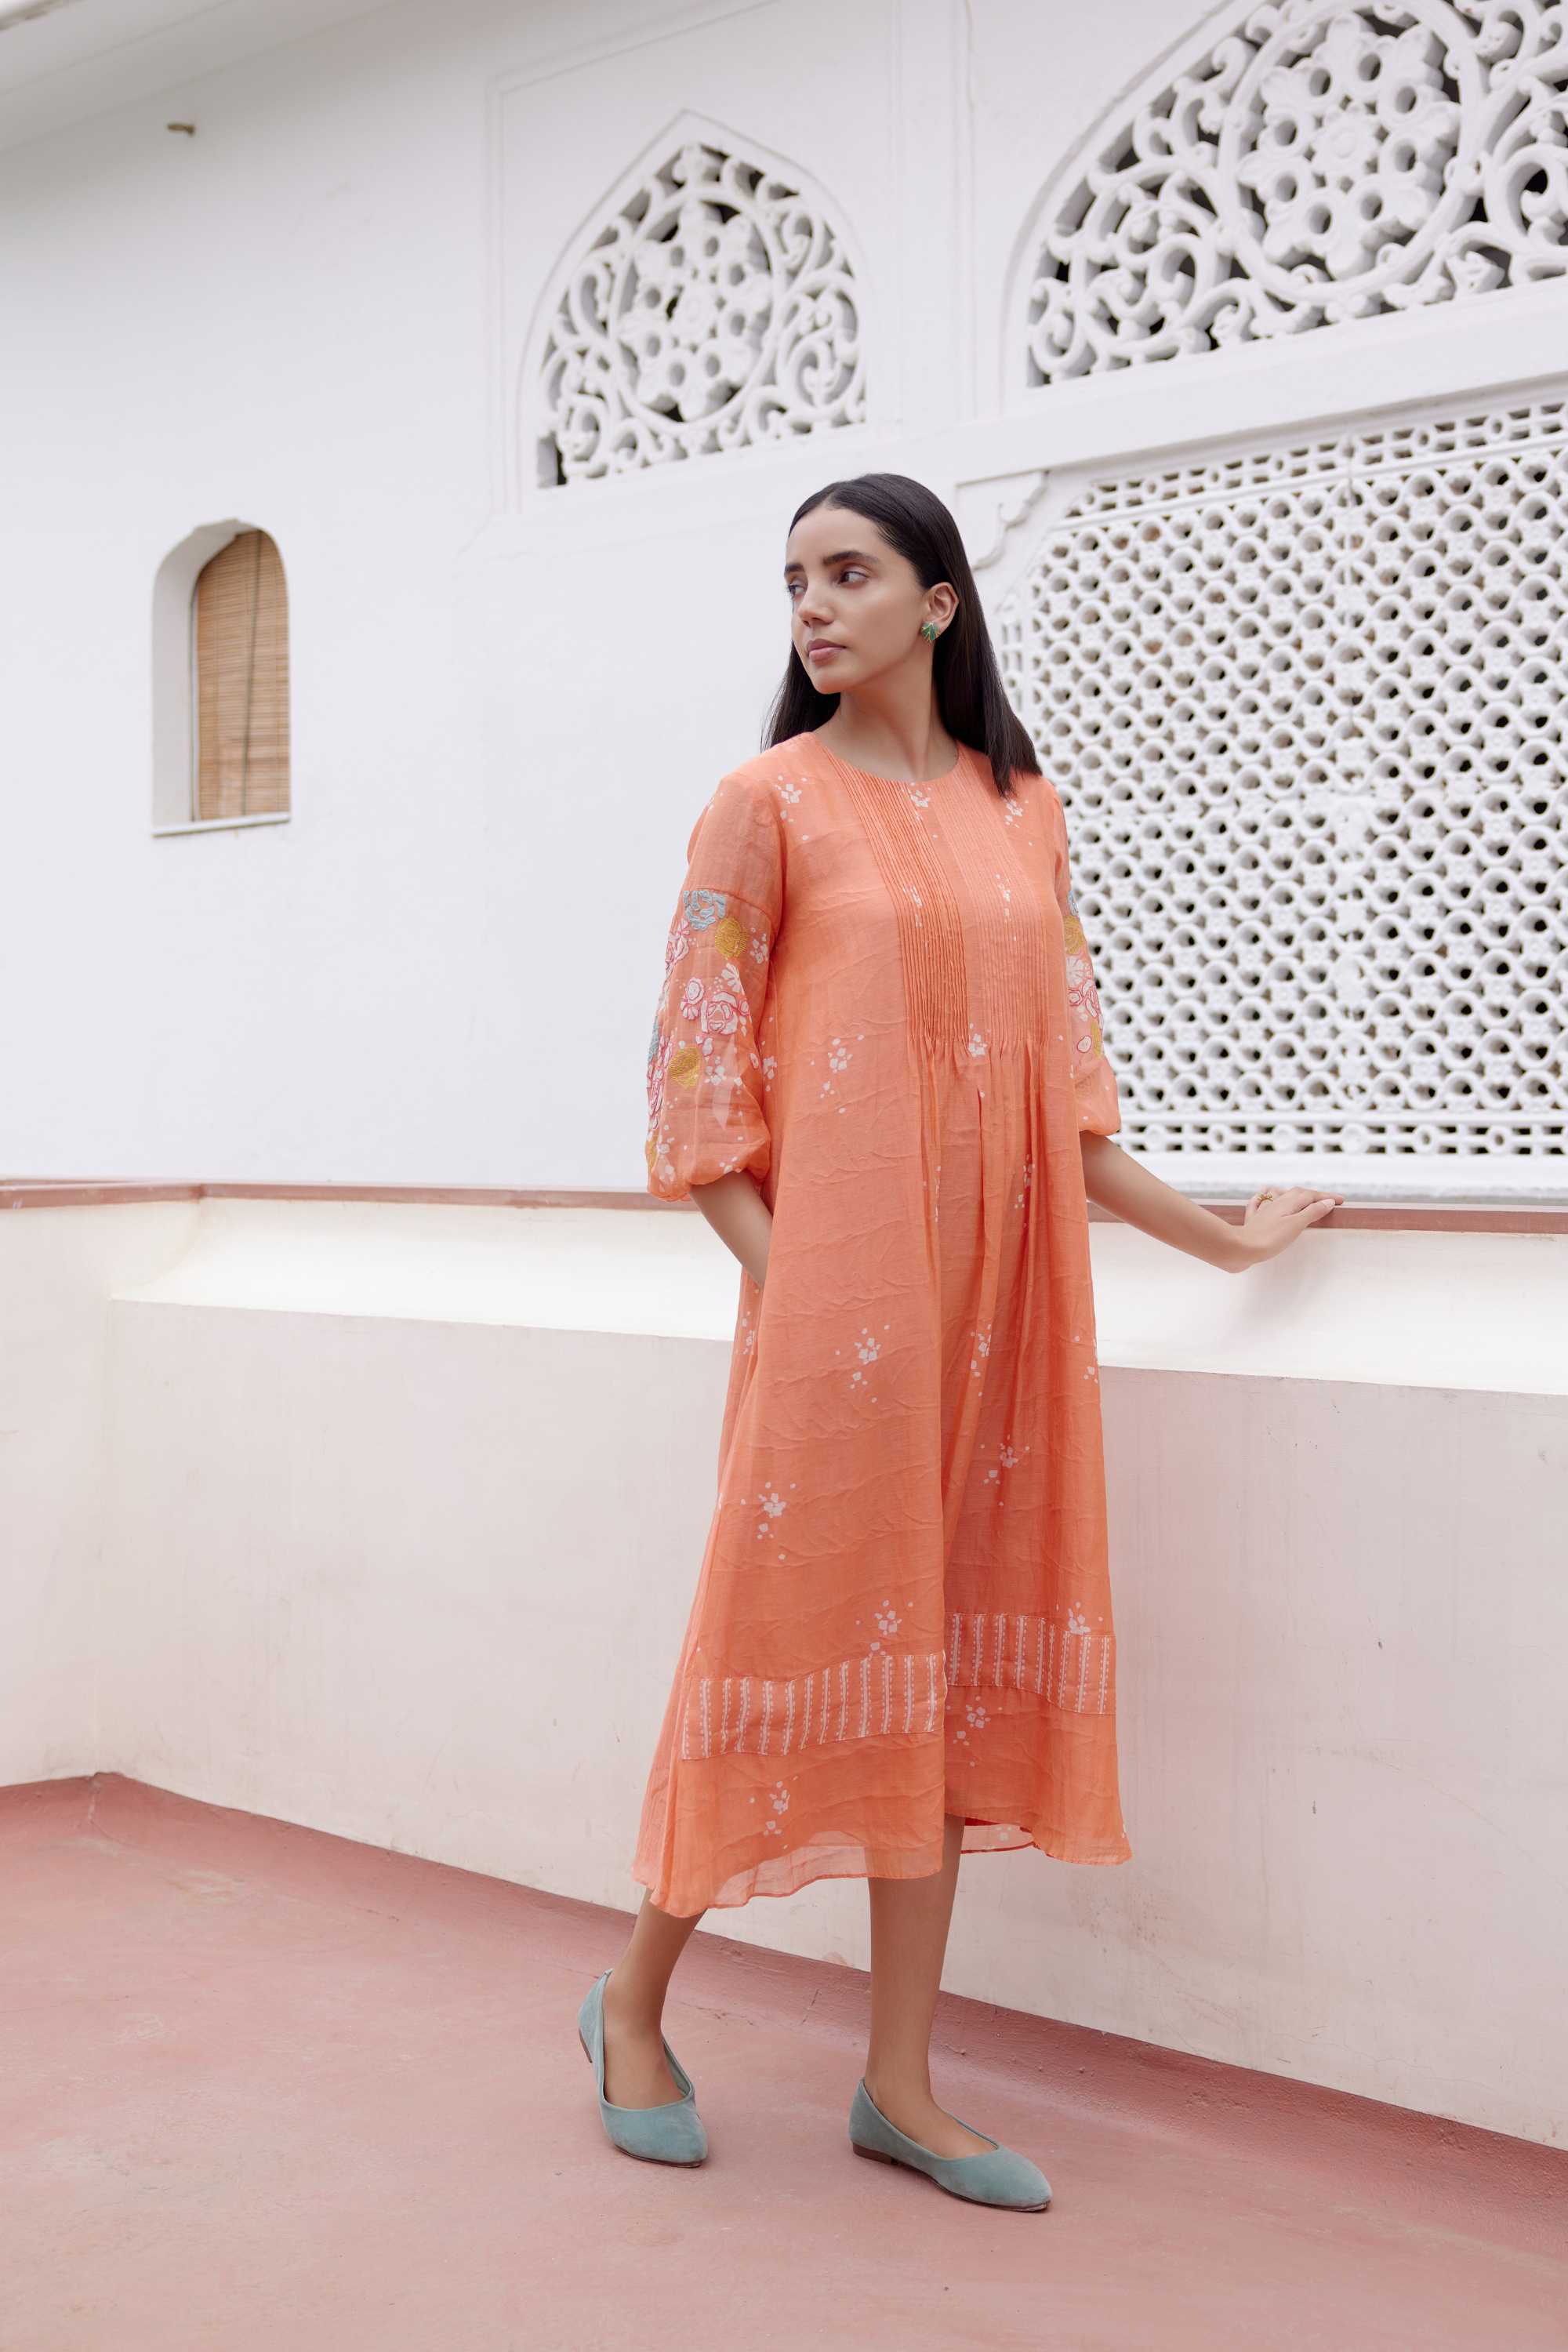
{"x": 856, "y": 605}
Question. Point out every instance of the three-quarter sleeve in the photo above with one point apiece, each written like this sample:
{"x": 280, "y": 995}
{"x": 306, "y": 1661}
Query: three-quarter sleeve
{"x": 705, "y": 1080}
{"x": 1099, "y": 1112}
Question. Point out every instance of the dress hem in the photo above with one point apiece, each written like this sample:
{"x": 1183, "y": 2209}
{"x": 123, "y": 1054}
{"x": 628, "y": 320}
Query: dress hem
{"x": 1060, "y": 1849}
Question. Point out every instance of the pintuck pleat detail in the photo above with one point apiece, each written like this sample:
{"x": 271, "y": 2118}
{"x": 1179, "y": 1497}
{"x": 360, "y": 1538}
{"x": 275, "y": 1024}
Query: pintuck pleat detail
{"x": 974, "y": 966}
{"x": 929, "y": 924}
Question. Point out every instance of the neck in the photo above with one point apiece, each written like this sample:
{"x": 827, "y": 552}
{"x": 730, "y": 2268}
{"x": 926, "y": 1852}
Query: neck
{"x": 892, "y": 728}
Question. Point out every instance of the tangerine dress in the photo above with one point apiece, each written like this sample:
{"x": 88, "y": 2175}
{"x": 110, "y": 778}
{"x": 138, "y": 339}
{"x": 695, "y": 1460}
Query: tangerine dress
{"x": 879, "y": 1004}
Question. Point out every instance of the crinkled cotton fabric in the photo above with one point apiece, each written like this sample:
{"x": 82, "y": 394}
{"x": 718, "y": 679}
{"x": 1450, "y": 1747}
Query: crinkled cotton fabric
{"x": 878, "y": 1003}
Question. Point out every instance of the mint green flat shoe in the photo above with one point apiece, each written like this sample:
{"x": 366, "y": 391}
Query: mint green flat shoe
{"x": 997, "y": 2178}
{"x": 669, "y": 2135}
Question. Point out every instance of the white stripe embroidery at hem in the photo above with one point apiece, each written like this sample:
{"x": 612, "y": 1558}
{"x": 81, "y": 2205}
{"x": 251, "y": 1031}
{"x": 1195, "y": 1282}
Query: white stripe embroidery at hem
{"x": 832, "y": 1705}
{"x": 1071, "y": 1666}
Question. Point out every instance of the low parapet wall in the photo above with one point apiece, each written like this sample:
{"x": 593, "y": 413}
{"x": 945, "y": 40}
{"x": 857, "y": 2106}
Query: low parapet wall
{"x": 383, "y": 1518}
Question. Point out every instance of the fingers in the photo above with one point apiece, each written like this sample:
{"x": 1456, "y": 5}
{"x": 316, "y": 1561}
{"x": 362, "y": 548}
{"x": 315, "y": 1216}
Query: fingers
{"x": 1309, "y": 1211}
{"x": 1293, "y": 1204}
{"x": 1288, "y": 1216}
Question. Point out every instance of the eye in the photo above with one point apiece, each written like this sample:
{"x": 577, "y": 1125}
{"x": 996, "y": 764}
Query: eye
{"x": 853, "y": 571}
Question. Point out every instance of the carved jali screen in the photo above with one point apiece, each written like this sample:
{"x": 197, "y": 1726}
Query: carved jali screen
{"x": 715, "y": 309}
{"x": 1306, "y": 710}
{"x": 1323, "y": 161}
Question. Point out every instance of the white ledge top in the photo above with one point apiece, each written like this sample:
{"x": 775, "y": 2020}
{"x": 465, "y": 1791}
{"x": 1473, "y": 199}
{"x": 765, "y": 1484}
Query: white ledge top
{"x": 1461, "y": 1311}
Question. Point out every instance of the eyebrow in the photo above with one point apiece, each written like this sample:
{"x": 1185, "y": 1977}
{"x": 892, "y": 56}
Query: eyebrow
{"x": 844, "y": 555}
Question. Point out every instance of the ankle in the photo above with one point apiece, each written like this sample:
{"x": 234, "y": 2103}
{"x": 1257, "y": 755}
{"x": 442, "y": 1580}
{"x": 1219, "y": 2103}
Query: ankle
{"x": 887, "y": 2090}
{"x": 636, "y": 2008}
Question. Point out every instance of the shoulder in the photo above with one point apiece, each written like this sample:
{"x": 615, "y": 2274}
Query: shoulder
{"x": 776, "y": 774}
{"x": 756, "y": 796}
{"x": 1034, "y": 791}
{"x": 1032, "y": 812}
{"x": 741, "y": 834}
{"x": 1030, "y": 791}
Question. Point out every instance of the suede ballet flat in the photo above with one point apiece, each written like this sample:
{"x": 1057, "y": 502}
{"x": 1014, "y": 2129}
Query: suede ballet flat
{"x": 997, "y": 2178}
{"x": 666, "y": 2134}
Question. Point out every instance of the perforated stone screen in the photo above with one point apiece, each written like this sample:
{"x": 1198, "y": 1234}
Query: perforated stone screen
{"x": 714, "y": 310}
{"x": 1321, "y": 161}
{"x": 1305, "y": 708}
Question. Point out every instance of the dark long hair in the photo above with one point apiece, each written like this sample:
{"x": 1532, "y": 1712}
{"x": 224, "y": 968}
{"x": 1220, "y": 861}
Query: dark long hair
{"x": 969, "y": 693}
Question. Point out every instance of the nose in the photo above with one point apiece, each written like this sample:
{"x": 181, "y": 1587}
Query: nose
{"x": 811, "y": 606}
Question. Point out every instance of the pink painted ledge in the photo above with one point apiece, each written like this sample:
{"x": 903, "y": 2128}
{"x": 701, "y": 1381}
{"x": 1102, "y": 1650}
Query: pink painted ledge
{"x": 46, "y": 1192}
{"x": 94, "y": 1192}
{"x": 1423, "y": 2169}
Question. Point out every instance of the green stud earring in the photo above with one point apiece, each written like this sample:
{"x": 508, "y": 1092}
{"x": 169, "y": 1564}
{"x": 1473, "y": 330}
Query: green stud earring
{"x": 929, "y": 632}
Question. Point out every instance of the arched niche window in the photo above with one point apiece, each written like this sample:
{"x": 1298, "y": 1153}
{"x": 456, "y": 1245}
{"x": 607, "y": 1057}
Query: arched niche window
{"x": 240, "y": 667}
{"x": 220, "y": 682}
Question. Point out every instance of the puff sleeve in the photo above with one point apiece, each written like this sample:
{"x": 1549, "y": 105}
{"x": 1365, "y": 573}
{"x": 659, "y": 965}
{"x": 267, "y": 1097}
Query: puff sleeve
{"x": 1099, "y": 1112}
{"x": 706, "y": 1116}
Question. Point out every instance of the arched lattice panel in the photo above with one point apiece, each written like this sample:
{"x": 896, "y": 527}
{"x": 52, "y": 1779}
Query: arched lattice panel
{"x": 1322, "y": 162}
{"x": 714, "y": 308}
{"x": 1307, "y": 710}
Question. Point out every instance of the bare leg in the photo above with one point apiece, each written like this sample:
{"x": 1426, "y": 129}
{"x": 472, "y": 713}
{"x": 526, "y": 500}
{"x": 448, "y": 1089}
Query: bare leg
{"x": 635, "y": 2075}
{"x": 909, "y": 1940}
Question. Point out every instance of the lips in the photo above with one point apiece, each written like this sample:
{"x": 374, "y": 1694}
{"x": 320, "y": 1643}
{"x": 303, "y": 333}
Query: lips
{"x": 822, "y": 649}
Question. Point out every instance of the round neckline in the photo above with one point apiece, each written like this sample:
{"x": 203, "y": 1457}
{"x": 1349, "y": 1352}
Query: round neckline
{"x": 899, "y": 784}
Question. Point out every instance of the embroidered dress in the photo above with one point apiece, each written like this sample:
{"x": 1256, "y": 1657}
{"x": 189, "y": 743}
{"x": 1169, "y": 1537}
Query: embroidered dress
{"x": 878, "y": 1003}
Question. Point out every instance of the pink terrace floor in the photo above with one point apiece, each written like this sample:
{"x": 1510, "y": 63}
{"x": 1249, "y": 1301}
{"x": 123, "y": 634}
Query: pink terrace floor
{"x": 270, "y": 2092}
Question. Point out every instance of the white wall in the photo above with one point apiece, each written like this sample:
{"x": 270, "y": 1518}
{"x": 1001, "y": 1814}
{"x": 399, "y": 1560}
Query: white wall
{"x": 57, "y": 1270}
{"x": 508, "y": 707}
{"x": 390, "y": 1543}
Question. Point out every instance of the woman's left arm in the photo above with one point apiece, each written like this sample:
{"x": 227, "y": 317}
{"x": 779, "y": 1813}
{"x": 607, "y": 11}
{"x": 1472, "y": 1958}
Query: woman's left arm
{"x": 1274, "y": 1220}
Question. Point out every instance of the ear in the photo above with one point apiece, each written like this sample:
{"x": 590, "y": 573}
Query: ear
{"x": 941, "y": 603}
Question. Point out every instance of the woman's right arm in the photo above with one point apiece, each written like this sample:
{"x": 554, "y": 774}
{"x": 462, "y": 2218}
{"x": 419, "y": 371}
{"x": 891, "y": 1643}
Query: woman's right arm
{"x": 738, "y": 1214}
{"x": 708, "y": 1080}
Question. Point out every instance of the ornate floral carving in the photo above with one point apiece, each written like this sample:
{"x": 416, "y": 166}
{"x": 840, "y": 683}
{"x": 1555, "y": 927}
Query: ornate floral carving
{"x": 1323, "y": 162}
{"x": 1307, "y": 709}
{"x": 717, "y": 308}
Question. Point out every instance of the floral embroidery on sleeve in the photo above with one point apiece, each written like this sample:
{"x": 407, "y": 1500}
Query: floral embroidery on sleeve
{"x": 707, "y": 1086}
{"x": 705, "y": 1075}
{"x": 1083, "y": 997}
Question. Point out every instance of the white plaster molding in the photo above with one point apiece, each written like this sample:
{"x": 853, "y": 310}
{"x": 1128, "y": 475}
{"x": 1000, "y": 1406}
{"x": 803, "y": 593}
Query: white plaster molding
{"x": 68, "y": 62}
{"x": 25, "y": 10}
{"x": 989, "y": 512}
{"x": 526, "y": 72}
{"x": 220, "y": 824}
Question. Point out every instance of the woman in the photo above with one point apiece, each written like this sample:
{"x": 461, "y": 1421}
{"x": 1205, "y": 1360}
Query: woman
{"x": 876, "y": 1069}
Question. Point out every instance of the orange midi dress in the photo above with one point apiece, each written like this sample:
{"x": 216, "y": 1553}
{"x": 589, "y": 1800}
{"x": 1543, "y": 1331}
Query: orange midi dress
{"x": 879, "y": 1004}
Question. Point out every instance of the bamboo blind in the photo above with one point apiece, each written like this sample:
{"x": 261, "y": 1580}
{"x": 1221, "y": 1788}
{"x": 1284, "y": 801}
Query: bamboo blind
{"x": 242, "y": 681}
